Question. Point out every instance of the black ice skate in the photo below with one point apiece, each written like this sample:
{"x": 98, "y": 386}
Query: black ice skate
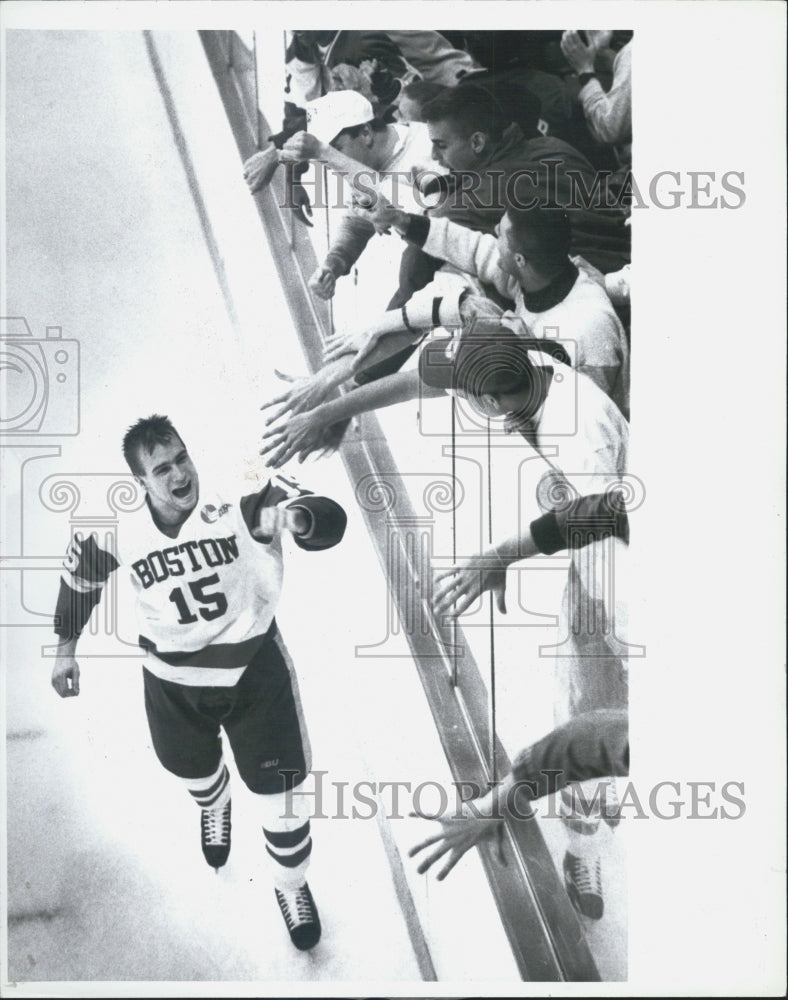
{"x": 300, "y": 914}
{"x": 215, "y": 828}
{"x": 583, "y": 881}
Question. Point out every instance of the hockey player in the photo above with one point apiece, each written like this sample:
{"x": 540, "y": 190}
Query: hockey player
{"x": 206, "y": 569}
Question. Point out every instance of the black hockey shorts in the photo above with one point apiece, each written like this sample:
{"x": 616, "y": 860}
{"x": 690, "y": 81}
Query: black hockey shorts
{"x": 261, "y": 716}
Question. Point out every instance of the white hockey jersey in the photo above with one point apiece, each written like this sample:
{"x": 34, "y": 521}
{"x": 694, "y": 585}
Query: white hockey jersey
{"x": 205, "y": 599}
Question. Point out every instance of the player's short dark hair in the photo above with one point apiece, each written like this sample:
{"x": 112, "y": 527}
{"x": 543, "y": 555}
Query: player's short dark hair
{"x": 144, "y": 435}
{"x": 546, "y": 229}
{"x": 470, "y": 109}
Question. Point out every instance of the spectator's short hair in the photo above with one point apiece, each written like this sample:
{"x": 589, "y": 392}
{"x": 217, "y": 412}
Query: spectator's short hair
{"x": 144, "y": 435}
{"x": 470, "y": 108}
{"x": 422, "y": 91}
{"x": 516, "y": 101}
{"x": 547, "y": 227}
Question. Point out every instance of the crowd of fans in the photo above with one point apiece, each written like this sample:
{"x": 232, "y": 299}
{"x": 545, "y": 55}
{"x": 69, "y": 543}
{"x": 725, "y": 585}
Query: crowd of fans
{"x": 500, "y": 159}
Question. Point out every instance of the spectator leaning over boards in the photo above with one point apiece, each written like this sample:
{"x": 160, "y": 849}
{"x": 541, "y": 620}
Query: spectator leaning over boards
{"x": 395, "y": 158}
{"x": 206, "y": 570}
{"x": 388, "y": 60}
{"x": 594, "y": 745}
{"x": 310, "y": 57}
{"x": 494, "y": 165}
{"x": 506, "y": 377}
{"x": 528, "y": 262}
{"x": 608, "y": 115}
{"x": 307, "y": 421}
{"x": 599, "y": 227}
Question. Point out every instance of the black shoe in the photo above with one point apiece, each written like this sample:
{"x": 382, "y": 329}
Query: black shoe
{"x": 215, "y": 828}
{"x": 300, "y": 913}
{"x": 583, "y": 883}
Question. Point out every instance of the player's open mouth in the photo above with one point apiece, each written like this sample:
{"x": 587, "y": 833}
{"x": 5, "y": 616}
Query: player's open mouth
{"x": 183, "y": 491}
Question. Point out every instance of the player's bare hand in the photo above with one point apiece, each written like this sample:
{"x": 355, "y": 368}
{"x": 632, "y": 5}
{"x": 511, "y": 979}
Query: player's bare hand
{"x": 305, "y": 393}
{"x": 323, "y": 283}
{"x": 65, "y": 676}
{"x": 457, "y": 588}
{"x": 260, "y": 168}
{"x": 302, "y": 146}
{"x": 298, "y": 435}
{"x": 459, "y": 832}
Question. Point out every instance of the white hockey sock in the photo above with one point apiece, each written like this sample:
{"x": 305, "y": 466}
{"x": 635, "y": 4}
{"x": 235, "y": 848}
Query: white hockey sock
{"x": 212, "y": 792}
{"x": 288, "y": 841}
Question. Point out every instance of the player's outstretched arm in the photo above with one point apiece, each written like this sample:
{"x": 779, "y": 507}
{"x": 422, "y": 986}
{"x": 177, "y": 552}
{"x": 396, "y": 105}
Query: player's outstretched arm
{"x": 315, "y": 522}
{"x": 65, "y": 672}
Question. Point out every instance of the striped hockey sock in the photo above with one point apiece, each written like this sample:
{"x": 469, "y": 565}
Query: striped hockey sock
{"x": 287, "y": 836}
{"x": 212, "y": 792}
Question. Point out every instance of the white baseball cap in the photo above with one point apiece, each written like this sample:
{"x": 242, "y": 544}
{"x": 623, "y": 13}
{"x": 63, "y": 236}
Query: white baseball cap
{"x": 339, "y": 109}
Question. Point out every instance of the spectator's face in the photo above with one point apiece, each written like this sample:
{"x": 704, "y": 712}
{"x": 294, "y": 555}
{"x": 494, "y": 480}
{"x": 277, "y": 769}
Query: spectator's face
{"x": 450, "y": 148}
{"x": 498, "y": 405}
{"x": 506, "y": 250}
{"x": 511, "y": 403}
{"x": 360, "y": 148}
{"x": 487, "y": 405}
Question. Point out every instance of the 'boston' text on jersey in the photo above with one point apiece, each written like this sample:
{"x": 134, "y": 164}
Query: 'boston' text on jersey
{"x": 178, "y": 559}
